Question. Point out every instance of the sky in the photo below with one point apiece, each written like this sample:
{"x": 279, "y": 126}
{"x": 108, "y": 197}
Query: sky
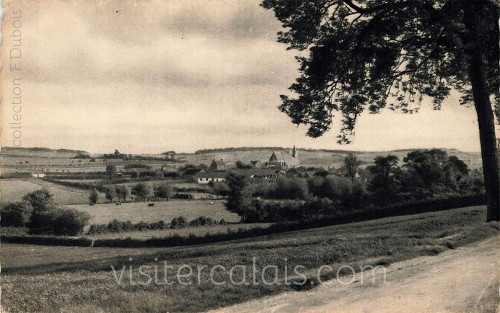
{"x": 152, "y": 76}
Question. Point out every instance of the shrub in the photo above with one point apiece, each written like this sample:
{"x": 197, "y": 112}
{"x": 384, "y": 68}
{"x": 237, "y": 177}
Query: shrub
{"x": 111, "y": 193}
{"x": 16, "y": 214}
{"x": 202, "y": 221}
{"x": 164, "y": 191}
{"x": 93, "y": 197}
{"x": 178, "y": 222}
{"x": 69, "y": 222}
{"x": 116, "y": 226}
{"x": 142, "y": 191}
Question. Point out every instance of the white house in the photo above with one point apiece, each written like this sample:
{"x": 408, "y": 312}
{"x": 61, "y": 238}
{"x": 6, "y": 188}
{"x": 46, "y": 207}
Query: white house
{"x": 207, "y": 177}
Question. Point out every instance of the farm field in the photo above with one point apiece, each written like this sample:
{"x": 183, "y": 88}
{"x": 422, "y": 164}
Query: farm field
{"x": 14, "y": 189}
{"x": 184, "y": 232}
{"x": 164, "y": 210}
{"x": 80, "y": 279}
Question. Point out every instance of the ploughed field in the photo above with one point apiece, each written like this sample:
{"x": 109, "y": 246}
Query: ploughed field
{"x": 80, "y": 279}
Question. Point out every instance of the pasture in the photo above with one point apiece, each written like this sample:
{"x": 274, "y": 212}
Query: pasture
{"x": 14, "y": 189}
{"x": 164, "y": 210}
{"x": 80, "y": 279}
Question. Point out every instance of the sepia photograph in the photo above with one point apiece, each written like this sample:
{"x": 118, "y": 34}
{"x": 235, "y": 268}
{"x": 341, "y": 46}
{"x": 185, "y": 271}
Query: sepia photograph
{"x": 242, "y": 156}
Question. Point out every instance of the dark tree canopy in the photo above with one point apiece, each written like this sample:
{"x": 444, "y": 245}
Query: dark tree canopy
{"x": 366, "y": 55}
{"x": 370, "y": 54}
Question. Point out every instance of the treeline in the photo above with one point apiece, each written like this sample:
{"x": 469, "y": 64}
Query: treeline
{"x": 424, "y": 174}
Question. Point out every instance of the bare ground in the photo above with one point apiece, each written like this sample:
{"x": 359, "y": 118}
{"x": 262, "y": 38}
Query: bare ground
{"x": 461, "y": 280}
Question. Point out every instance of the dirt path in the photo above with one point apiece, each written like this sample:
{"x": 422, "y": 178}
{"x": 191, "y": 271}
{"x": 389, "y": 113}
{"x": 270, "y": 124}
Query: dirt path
{"x": 461, "y": 280}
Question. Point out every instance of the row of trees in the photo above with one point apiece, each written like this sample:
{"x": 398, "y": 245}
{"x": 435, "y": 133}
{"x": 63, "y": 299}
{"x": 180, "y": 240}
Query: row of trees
{"x": 424, "y": 174}
{"x": 141, "y": 191}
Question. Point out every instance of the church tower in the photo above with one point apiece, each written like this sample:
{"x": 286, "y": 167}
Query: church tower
{"x": 294, "y": 152}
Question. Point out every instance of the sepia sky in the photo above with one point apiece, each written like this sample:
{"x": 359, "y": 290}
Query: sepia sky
{"x": 152, "y": 76}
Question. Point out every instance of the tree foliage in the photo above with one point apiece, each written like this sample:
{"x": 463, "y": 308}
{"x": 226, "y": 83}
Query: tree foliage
{"x": 351, "y": 165}
{"x": 16, "y": 214}
{"x": 142, "y": 190}
{"x": 378, "y": 53}
{"x": 164, "y": 191}
{"x": 93, "y": 197}
{"x": 366, "y": 55}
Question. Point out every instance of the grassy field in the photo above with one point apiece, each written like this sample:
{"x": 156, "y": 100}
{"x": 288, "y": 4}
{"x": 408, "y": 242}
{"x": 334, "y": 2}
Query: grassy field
{"x": 184, "y": 232}
{"x": 164, "y": 210}
{"x": 14, "y": 189}
{"x": 76, "y": 279}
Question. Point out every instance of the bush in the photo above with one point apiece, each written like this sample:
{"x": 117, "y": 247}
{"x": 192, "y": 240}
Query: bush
{"x": 202, "y": 221}
{"x": 116, "y": 226}
{"x": 142, "y": 190}
{"x": 16, "y": 214}
{"x": 69, "y": 222}
{"x": 164, "y": 191}
{"x": 93, "y": 197}
{"x": 178, "y": 222}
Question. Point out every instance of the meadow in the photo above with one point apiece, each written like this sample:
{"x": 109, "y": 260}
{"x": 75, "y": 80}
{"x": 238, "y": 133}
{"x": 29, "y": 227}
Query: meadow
{"x": 78, "y": 279}
{"x": 163, "y": 210}
{"x": 14, "y": 189}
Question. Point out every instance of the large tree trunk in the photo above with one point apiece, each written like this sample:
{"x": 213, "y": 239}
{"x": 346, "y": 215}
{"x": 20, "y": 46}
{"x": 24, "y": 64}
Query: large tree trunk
{"x": 485, "y": 116}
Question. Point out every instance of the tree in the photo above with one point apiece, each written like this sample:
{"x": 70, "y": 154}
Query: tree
{"x": 142, "y": 191}
{"x": 367, "y": 55}
{"x": 351, "y": 164}
{"x": 384, "y": 173}
{"x": 220, "y": 189}
{"x": 164, "y": 191}
{"x": 290, "y": 188}
{"x": 93, "y": 197}
{"x": 111, "y": 170}
{"x": 239, "y": 199}
{"x": 432, "y": 171}
{"x": 42, "y": 203}
{"x": 123, "y": 192}
{"x": 111, "y": 193}
{"x": 69, "y": 222}
{"x": 16, "y": 214}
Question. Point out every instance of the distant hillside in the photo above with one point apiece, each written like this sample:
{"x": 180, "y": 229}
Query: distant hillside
{"x": 40, "y": 152}
{"x": 38, "y": 149}
{"x": 306, "y": 157}
{"x": 309, "y": 157}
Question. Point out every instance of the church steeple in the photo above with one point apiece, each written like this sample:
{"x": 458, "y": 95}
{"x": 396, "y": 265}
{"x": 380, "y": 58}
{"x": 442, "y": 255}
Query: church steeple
{"x": 294, "y": 152}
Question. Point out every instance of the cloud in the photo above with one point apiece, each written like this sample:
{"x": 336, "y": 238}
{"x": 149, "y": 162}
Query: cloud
{"x": 145, "y": 76}
{"x": 197, "y": 43}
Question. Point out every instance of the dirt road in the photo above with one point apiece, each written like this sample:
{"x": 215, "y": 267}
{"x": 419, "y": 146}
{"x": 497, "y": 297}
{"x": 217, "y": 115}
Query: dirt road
{"x": 461, "y": 280}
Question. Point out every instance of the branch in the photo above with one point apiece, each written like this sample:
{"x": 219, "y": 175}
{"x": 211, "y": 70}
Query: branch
{"x": 361, "y": 10}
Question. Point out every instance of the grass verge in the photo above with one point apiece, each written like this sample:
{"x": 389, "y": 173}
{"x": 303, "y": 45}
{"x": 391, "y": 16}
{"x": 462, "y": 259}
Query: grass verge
{"x": 80, "y": 279}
